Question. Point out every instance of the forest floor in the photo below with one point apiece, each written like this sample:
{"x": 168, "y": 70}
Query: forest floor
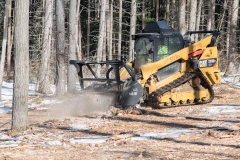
{"x": 62, "y": 131}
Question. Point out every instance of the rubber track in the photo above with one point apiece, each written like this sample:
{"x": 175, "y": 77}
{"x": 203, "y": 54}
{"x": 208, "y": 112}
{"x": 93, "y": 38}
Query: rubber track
{"x": 153, "y": 98}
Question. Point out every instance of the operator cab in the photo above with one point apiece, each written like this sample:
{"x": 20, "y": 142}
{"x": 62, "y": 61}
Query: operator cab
{"x": 157, "y": 41}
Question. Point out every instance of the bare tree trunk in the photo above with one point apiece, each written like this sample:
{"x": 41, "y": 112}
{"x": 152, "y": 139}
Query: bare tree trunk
{"x": 120, "y": 30}
{"x": 157, "y": 10}
{"x": 9, "y": 39}
{"x": 181, "y": 18}
{"x": 44, "y": 74}
{"x": 98, "y": 9}
{"x": 4, "y": 45}
{"x": 202, "y": 21}
{"x": 88, "y": 29}
{"x": 106, "y": 31}
{"x": 133, "y": 17}
{"x": 78, "y": 32}
{"x": 111, "y": 31}
{"x": 193, "y": 15}
{"x": 187, "y": 15}
{"x": 223, "y": 14}
{"x": 143, "y": 14}
{"x": 153, "y": 8}
{"x": 21, "y": 67}
{"x": 233, "y": 26}
{"x": 114, "y": 45}
{"x": 60, "y": 48}
{"x": 101, "y": 35}
{"x": 167, "y": 15}
{"x": 71, "y": 79}
{"x": 198, "y": 18}
{"x": 211, "y": 11}
{"x": 228, "y": 31}
{"x": 232, "y": 41}
{"x": 193, "y": 12}
{"x": 174, "y": 14}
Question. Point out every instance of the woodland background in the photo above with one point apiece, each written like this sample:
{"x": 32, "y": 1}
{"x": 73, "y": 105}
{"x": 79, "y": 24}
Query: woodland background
{"x": 60, "y": 30}
{"x": 120, "y": 20}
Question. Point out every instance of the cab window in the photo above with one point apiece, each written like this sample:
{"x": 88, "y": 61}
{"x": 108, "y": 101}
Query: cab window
{"x": 142, "y": 47}
{"x": 168, "y": 46}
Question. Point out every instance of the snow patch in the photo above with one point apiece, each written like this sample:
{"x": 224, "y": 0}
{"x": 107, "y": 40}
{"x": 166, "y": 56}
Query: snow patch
{"x": 162, "y": 135}
{"x": 219, "y": 110}
{"x": 6, "y": 141}
{"x": 4, "y": 109}
{"x": 42, "y": 108}
{"x": 54, "y": 143}
{"x": 8, "y": 144}
{"x": 7, "y": 93}
{"x": 230, "y": 80}
{"x": 79, "y": 127}
{"x": 91, "y": 140}
{"x": 49, "y": 101}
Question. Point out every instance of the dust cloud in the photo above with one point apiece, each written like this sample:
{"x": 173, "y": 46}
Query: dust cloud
{"x": 82, "y": 104}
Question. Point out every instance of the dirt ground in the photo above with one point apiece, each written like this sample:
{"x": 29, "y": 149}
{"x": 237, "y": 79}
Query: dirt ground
{"x": 61, "y": 131}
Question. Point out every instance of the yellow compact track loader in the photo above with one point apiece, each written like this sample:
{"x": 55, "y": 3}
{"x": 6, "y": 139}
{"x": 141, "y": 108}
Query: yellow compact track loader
{"x": 168, "y": 69}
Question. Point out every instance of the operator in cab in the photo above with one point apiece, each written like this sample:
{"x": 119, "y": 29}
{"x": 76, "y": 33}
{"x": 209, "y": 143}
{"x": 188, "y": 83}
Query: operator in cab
{"x": 162, "y": 50}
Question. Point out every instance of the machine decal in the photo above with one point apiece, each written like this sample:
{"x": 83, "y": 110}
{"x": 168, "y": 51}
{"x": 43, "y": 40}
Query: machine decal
{"x": 207, "y": 63}
{"x": 171, "y": 59}
{"x": 133, "y": 92}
